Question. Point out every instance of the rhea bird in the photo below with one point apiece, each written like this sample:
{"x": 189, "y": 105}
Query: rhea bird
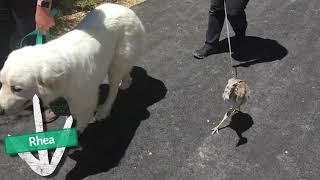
{"x": 237, "y": 92}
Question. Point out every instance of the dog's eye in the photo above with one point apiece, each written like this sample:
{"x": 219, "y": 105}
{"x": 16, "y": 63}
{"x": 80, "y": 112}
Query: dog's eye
{"x": 15, "y": 89}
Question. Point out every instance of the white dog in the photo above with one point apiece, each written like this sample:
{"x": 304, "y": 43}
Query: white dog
{"x": 107, "y": 43}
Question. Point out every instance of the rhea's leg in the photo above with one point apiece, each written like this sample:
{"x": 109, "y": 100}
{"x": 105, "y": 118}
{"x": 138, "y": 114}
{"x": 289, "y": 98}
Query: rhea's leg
{"x": 228, "y": 114}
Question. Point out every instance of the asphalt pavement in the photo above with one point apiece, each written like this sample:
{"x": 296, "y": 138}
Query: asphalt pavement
{"x": 160, "y": 127}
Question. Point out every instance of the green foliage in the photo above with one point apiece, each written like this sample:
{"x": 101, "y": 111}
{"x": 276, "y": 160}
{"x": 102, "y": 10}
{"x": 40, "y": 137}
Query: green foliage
{"x": 84, "y": 4}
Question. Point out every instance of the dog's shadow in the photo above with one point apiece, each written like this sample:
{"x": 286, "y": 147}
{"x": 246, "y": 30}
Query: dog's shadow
{"x": 104, "y": 143}
{"x": 255, "y": 50}
{"x": 240, "y": 122}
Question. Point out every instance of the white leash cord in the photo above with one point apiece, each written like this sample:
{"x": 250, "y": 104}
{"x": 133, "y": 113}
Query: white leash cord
{"x": 233, "y": 73}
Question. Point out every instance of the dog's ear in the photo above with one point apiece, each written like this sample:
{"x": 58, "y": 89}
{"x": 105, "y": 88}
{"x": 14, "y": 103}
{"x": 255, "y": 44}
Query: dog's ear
{"x": 48, "y": 80}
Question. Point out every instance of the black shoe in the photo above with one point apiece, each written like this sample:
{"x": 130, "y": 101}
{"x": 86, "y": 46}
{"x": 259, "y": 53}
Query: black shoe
{"x": 205, "y": 51}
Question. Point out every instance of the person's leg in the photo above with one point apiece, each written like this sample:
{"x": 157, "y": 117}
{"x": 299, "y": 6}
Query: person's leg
{"x": 7, "y": 27}
{"x": 238, "y": 20}
{"x": 24, "y": 15}
{"x": 239, "y": 23}
{"x": 215, "y": 24}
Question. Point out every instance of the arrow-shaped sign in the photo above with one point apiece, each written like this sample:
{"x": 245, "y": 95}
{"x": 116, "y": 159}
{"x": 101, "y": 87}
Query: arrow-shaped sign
{"x": 42, "y": 166}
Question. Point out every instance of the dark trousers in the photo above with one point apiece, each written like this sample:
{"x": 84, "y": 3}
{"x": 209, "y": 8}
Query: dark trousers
{"x": 235, "y": 14}
{"x": 15, "y": 16}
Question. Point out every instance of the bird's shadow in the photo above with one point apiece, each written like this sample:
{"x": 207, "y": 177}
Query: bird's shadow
{"x": 255, "y": 50}
{"x": 240, "y": 122}
{"x": 104, "y": 143}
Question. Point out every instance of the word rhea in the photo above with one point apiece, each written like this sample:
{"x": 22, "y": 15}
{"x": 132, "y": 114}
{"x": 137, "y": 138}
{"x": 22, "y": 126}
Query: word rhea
{"x": 36, "y": 141}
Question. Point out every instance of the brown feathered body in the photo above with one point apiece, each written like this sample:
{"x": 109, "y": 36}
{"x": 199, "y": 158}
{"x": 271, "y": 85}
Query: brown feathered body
{"x": 237, "y": 92}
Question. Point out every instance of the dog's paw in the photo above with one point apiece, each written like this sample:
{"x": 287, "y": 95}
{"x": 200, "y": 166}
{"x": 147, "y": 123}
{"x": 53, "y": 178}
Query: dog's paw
{"x": 125, "y": 84}
{"x": 101, "y": 114}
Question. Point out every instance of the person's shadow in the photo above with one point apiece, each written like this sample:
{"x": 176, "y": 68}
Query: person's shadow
{"x": 255, "y": 50}
{"x": 104, "y": 143}
{"x": 240, "y": 122}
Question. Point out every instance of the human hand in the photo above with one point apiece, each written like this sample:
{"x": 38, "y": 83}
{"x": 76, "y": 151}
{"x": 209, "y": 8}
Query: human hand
{"x": 43, "y": 19}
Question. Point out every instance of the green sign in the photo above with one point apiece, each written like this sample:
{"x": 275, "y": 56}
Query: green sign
{"x": 41, "y": 141}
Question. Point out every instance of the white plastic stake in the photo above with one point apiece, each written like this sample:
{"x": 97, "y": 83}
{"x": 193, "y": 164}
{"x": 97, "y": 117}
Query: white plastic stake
{"x": 42, "y": 166}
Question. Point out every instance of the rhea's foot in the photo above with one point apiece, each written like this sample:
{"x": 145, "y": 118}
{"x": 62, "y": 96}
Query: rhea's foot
{"x": 215, "y": 130}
